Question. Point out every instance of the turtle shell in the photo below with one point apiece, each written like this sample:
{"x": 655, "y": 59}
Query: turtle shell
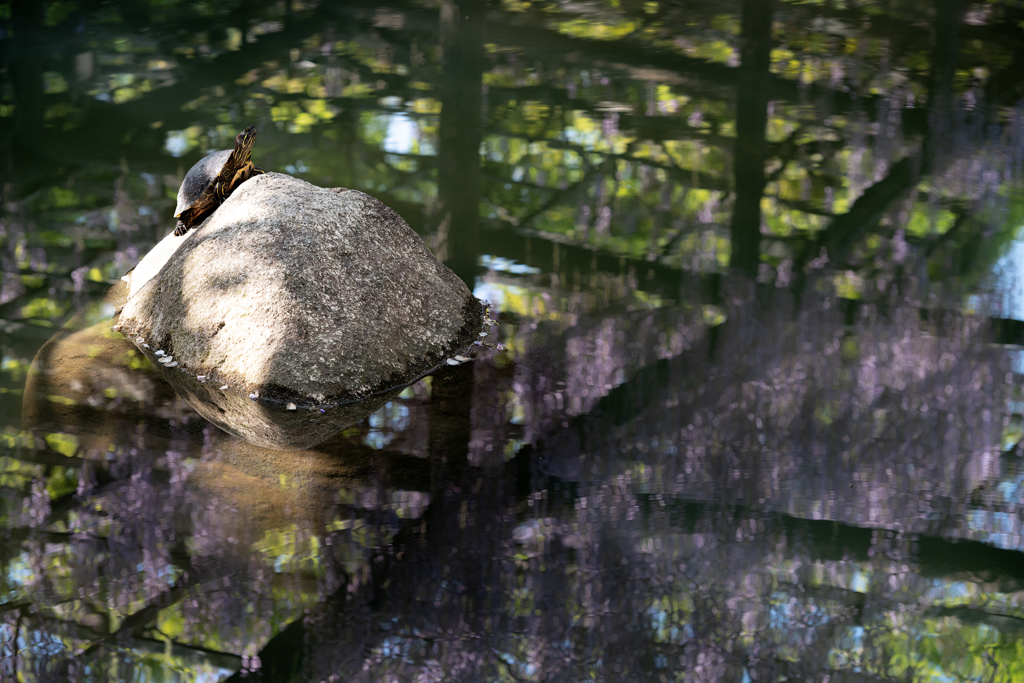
{"x": 199, "y": 178}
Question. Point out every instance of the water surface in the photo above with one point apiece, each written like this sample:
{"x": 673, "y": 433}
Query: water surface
{"x": 754, "y": 267}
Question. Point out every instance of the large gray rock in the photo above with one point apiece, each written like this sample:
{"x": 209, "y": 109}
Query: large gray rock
{"x": 298, "y": 295}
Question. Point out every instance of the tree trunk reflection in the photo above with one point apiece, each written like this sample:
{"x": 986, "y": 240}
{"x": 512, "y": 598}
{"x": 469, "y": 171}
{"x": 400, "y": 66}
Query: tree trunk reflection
{"x": 458, "y": 173}
{"x": 752, "y": 84}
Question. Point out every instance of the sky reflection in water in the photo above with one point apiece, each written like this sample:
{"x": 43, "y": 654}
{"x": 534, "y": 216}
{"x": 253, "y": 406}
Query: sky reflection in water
{"x": 754, "y": 267}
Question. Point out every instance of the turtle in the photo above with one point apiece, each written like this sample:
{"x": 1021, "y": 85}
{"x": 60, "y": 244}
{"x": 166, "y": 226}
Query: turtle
{"x": 212, "y": 179}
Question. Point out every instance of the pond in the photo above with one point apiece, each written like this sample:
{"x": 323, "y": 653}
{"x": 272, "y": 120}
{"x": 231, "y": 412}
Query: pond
{"x": 753, "y": 266}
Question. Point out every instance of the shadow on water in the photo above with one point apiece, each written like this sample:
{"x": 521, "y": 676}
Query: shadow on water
{"x": 760, "y": 413}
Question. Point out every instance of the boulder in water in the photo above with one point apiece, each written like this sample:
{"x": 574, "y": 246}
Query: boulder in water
{"x": 296, "y": 297}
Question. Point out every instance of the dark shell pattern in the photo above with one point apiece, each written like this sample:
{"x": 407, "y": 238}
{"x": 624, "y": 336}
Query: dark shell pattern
{"x": 200, "y": 177}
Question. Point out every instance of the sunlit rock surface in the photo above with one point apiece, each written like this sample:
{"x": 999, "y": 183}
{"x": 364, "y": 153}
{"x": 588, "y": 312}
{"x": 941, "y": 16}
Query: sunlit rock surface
{"x": 295, "y": 294}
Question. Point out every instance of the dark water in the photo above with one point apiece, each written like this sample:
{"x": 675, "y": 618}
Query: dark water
{"x": 754, "y": 266}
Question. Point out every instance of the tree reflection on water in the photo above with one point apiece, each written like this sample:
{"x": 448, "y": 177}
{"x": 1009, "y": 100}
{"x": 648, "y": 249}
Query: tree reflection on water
{"x": 759, "y": 413}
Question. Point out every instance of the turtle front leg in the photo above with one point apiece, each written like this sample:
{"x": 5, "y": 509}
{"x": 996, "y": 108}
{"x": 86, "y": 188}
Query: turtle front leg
{"x": 186, "y": 220}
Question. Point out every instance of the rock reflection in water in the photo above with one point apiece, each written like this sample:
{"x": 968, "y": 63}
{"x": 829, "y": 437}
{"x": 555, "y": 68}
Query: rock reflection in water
{"x": 95, "y": 369}
{"x": 271, "y": 425}
{"x": 185, "y": 532}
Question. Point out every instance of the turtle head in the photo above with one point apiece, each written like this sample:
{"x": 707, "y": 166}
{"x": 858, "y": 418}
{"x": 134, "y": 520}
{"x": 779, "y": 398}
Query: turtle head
{"x": 244, "y": 142}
